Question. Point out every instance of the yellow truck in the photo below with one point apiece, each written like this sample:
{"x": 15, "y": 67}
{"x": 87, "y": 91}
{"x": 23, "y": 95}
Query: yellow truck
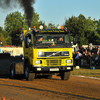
{"x": 46, "y": 52}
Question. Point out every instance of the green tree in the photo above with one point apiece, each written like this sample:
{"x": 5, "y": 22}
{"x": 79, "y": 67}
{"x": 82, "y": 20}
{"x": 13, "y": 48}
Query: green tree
{"x": 35, "y": 21}
{"x": 76, "y": 25}
{"x": 97, "y": 33}
{"x": 3, "y": 36}
{"x": 15, "y": 37}
{"x": 82, "y": 28}
{"x": 14, "y": 21}
{"x": 52, "y": 26}
{"x": 90, "y": 30}
{"x": 43, "y": 24}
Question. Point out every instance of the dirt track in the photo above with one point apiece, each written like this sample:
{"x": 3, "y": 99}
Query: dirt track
{"x": 47, "y": 89}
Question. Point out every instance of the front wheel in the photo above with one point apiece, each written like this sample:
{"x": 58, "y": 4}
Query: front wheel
{"x": 29, "y": 76}
{"x": 65, "y": 75}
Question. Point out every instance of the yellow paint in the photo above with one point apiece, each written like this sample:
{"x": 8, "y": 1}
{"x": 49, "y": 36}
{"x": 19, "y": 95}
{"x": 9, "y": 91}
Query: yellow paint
{"x": 32, "y": 54}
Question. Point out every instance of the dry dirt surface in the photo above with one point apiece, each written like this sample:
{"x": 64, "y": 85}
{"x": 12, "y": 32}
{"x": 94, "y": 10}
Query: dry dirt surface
{"x": 75, "y": 88}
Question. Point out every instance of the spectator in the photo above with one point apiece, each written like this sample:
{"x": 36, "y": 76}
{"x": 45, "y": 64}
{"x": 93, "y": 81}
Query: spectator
{"x": 40, "y": 39}
{"x": 74, "y": 55}
{"x": 77, "y": 48}
{"x": 97, "y": 59}
{"x": 60, "y": 39}
{"x": 78, "y": 58}
{"x": 84, "y": 55}
{"x": 95, "y": 50}
{"x": 82, "y": 49}
{"x": 93, "y": 56}
{"x": 89, "y": 59}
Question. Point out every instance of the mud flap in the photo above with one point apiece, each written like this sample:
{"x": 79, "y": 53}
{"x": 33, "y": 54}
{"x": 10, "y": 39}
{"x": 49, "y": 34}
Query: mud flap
{"x": 19, "y": 68}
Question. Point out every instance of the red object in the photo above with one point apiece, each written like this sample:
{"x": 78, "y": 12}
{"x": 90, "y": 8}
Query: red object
{"x": 1, "y": 40}
{"x": 62, "y": 27}
{"x": 34, "y": 27}
{"x": 66, "y": 30}
{"x": 35, "y": 30}
{"x": 4, "y": 98}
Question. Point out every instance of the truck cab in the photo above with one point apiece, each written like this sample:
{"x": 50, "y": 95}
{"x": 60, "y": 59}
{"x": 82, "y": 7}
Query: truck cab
{"x": 47, "y": 52}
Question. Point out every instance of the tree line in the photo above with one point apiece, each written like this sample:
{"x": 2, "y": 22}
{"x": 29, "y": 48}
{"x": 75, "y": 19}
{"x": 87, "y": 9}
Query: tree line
{"x": 84, "y": 29}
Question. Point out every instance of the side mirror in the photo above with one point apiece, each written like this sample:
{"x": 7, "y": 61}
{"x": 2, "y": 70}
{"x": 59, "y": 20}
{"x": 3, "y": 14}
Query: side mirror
{"x": 74, "y": 40}
{"x": 21, "y": 36}
{"x": 26, "y": 41}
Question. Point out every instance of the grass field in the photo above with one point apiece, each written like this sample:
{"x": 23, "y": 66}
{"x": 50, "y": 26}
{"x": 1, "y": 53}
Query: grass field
{"x": 86, "y": 72}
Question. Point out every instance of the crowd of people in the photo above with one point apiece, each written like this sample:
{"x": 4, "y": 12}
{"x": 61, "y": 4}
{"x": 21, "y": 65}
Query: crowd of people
{"x": 91, "y": 56}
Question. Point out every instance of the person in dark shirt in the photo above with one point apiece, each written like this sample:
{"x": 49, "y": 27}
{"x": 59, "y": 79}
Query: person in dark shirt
{"x": 89, "y": 58}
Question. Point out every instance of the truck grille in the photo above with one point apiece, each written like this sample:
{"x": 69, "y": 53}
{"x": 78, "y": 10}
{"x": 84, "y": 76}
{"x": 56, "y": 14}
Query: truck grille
{"x": 53, "y": 62}
{"x": 52, "y": 54}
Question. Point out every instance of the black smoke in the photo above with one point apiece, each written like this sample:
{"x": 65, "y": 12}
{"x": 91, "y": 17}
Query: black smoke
{"x": 29, "y": 10}
{"x": 27, "y": 5}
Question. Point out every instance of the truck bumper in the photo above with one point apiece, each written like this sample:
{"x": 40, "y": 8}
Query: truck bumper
{"x": 51, "y": 69}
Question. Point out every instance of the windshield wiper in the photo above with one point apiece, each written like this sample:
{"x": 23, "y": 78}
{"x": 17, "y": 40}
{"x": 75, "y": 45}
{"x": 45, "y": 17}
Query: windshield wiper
{"x": 42, "y": 45}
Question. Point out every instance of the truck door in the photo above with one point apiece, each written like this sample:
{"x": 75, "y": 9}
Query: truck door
{"x": 30, "y": 50}
{"x": 28, "y": 47}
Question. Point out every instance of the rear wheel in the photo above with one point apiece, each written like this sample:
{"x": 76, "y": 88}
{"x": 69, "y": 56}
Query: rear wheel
{"x": 65, "y": 75}
{"x": 29, "y": 76}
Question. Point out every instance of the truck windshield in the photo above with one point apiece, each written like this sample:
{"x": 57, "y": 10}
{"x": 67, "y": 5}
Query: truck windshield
{"x": 51, "y": 40}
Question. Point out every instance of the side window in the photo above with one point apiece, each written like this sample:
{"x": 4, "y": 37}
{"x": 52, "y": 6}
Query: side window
{"x": 67, "y": 39}
{"x": 28, "y": 42}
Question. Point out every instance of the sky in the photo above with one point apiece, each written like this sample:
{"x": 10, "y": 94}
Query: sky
{"x": 57, "y": 11}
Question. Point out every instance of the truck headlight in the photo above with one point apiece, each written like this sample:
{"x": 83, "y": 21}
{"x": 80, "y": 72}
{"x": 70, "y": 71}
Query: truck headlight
{"x": 68, "y": 61}
{"x": 41, "y": 54}
{"x": 38, "y": 62}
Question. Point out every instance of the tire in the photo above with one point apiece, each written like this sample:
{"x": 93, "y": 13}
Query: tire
{"x": 65, "y": 75}
{"x": 12, "y": 72}
{"x": 29, "y": 76}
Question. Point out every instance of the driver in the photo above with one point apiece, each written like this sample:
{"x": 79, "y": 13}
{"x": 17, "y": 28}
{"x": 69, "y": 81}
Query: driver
{"x": 60, "y": 39}
{"x": 40, "y": 39}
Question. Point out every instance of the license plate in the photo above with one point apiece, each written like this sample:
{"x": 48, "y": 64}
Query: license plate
{"x": 54, "y": 69}
{"x": 68, "y": 67}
